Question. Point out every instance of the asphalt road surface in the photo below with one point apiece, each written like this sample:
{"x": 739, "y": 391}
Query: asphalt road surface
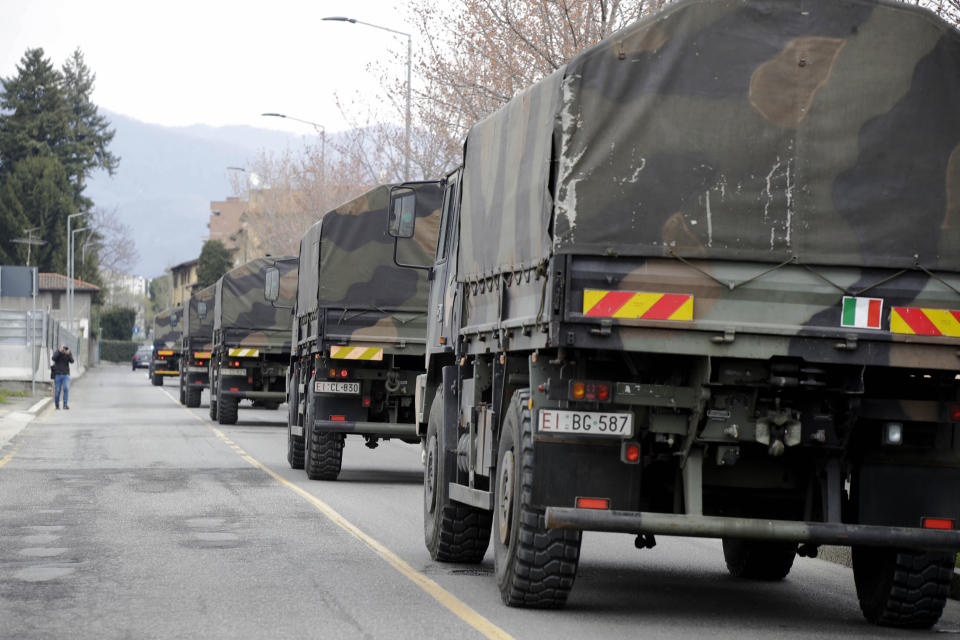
{"x": 132, "y": 517}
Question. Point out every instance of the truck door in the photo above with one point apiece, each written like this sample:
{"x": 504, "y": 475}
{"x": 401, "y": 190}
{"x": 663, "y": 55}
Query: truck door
{"x": 443, "y": 287}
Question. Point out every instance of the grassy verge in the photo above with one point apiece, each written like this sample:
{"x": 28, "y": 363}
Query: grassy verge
{"x": 6, "y": 394}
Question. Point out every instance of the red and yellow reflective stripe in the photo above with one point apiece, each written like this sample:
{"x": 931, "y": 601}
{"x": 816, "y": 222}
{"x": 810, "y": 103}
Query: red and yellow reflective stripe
{"x": 925, "y": 322}
{"x": 356, "y": 353}
{"x": 637, "y": 305}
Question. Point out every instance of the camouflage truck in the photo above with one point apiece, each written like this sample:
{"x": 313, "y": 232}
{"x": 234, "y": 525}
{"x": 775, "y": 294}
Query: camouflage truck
{"x": 358, "y": 330}
{"x": 251, "y": 337}
{"x": 703, "y": 281}
{"x": 165, "y": 362}
{"x": 196, "y": 345}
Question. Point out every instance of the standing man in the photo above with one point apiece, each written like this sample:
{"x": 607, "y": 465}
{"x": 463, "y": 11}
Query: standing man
{"x": 61, "y": 371}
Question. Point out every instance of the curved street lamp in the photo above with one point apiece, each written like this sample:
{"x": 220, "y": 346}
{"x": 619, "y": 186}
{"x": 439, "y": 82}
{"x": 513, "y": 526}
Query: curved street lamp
{"x": 319, "y": 128}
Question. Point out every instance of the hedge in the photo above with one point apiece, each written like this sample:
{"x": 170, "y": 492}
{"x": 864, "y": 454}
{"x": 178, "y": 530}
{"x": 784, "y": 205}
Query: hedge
{"x": 118, "y": 350}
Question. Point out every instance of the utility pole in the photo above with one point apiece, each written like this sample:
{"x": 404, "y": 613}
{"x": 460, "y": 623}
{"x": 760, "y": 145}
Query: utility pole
{"x": 30, "y": 241}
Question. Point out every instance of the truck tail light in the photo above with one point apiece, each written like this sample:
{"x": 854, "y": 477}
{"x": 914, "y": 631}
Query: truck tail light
{"x": 955, "y": 413}
{"x": 333, "y": 373}
{"x": 234, "y": 388}
{"x": 937, "y": 523}
{"x": 593, "y": 503}
{"x": 338, "y": 418}
{"x": 631, "y": 452}
{"x": 589, "y": 390}
{"x": 366, "y": 401}
{"x": 235, "y": 363}
{"x": 343, "y": 373}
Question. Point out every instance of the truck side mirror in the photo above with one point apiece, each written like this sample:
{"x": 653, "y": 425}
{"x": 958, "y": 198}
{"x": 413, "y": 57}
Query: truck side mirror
{"x": 271, "y": 285}
{"x": 202, "y": 310}
{"x": 403, "y": 212}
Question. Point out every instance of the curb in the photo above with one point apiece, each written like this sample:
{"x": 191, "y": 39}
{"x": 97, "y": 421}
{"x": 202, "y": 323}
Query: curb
{"x": 15, "y": 421}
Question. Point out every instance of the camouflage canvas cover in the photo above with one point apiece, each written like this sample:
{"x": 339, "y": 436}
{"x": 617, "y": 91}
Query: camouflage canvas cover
{"x": 824, "y": 131}
{"x": 357, "y": 270}
{"x": 167, "y": 327}
{"x": 195, "y": 327}
{"x": 243, "y": 316}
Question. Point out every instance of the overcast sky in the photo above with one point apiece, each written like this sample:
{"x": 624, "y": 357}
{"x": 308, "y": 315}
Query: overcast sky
{"x": 212, "y": 62}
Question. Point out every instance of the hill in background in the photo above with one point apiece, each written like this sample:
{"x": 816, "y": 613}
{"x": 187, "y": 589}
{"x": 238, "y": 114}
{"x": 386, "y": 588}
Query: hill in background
{"x": 167, "y": 178}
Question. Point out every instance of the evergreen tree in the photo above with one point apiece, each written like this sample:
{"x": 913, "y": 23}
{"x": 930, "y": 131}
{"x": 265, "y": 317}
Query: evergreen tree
{"x": 85, "y": 148}
{"x": 13, "y": 224}
{"x": 36, "y": 115}
{"x": 40, "y": 185}
{"x": 215, "y": 260}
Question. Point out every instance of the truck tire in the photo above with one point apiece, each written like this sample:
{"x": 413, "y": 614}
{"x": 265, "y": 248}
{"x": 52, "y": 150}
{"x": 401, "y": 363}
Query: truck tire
{"x": 452, "y": 531}
{"x": 183, "y": 391}
{"x": 227, "y": 409}
{"x": 900, "y": 588}
{"x": 294, "y": 443}
{"x": 193, "y": 397}
{"x": 156, "y": 379}
{"x": 535, "y": 566}
{"x": 758, "y": 559}
{"x": 214, "y": 391}
{"x": 324, "y": 449}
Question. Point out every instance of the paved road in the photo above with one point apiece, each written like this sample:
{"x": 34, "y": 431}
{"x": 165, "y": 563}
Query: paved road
{"x": 132, "y": 517}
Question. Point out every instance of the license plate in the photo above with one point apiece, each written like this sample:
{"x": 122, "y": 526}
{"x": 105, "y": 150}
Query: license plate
{"x": 234, "y": 372}
{"x": 587, "y": 423}
{"x": 352, "y": 388}
{"x": 197, "y": 369}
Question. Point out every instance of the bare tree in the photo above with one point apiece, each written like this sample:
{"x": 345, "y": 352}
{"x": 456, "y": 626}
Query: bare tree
{"x": 113, "y": 239}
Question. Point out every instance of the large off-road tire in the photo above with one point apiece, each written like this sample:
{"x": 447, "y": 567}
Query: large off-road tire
{"x": 758, "y": 559}
{"x": 183, "y": 391}
{"x": 453, "y": 532}
{"x": 156, "y": 380}
{"x": 193, "y": 397}
{"x": 294, "y": 443}
{"x": 535, "y": 566}
{"x": 227, "y": 409}
{"x": 324, "y": 453}
{"x": 214, "y": 392}
{"x": 899, "y": 588}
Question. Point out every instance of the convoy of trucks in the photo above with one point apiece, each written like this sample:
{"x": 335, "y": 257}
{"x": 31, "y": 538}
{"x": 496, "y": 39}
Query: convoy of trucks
{"x": 700, "y": 281}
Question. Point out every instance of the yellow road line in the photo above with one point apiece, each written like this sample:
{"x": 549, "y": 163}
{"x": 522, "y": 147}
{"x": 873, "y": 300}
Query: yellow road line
{"x": 441, "y": 595}
{"x": 7, "y": 458}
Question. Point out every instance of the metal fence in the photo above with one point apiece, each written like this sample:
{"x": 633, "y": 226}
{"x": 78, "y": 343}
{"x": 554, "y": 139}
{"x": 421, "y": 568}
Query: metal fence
{"x": 37, "y": 329}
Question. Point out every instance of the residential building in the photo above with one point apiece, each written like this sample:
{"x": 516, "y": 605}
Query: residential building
{"x": 184, "y": 281}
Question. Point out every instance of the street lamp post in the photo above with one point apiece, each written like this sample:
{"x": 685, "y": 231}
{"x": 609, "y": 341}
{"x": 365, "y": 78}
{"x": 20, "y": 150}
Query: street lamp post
{"x": 73, "y": 270}
{"x": 70, "y": 268}
{"x": 319, "y": 128}
{"x": 406, "y": 155}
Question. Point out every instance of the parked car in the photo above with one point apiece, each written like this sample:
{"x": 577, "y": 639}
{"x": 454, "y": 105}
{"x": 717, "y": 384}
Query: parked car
{"x": 141, "y": 359}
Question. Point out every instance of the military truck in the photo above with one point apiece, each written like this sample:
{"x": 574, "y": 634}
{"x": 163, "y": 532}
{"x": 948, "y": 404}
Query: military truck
{"x": 358, "y": 330}
{"x": 196, "y": 345}
{"x": 703, "y": 281}
{"x": 165, "y": 362}
{"x": 251, "y": 337}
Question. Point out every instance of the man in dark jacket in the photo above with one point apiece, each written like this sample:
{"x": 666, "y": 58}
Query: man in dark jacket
{"x": 61, "y": 375}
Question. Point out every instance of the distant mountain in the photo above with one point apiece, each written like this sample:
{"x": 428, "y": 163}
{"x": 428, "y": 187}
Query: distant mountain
{"x": 167, "y": 178}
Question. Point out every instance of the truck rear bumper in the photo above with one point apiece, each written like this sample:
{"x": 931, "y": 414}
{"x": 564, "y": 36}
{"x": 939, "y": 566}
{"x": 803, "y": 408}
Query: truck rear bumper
{"x": 752, "y": 528}
{"x": 402, "y": 429}
{"x": 166, "y": 372}
{"x": 279, "y": 396}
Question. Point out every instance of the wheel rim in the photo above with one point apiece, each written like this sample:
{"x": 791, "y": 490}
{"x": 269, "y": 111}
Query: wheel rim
{"x": 430, "y": 477}
{"x": 505, "y": 493}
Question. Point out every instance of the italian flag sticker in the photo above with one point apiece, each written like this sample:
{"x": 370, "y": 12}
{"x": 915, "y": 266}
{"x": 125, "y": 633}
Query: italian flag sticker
{"x": 862, "y": 313}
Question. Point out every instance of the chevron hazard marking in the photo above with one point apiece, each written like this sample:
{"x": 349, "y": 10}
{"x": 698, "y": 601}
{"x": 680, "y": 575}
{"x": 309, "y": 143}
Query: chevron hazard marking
{"x": 356, "y": 353}
{"x": 637, "y": 305}
{"x": 925, "y": 322}
{"x": 244, "y": 353}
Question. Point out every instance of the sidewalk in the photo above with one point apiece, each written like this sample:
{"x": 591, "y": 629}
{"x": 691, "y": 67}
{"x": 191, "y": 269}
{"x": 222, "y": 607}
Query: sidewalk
{"x": 19, "y": 412}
